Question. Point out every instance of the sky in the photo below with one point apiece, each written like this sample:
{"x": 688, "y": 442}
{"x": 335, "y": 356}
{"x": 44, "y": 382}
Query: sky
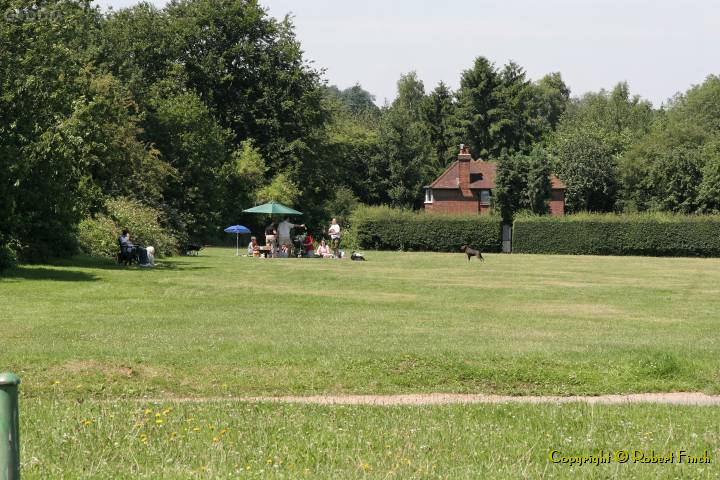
{"x": 660, "y": 47}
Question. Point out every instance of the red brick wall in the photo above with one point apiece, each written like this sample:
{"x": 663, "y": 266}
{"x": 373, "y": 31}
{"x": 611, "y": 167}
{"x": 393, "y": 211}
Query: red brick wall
{"x": 557, "y": 202}
{"x": 451, "y": 201}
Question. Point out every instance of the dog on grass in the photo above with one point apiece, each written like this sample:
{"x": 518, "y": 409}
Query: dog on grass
{"x": 471, "y": 252}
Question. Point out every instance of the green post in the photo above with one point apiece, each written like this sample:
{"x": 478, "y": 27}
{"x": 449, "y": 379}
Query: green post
{"x": 9, "y": 427}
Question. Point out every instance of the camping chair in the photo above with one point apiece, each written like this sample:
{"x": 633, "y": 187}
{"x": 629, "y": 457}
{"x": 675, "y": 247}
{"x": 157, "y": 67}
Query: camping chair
{"x": 127, "y": 254}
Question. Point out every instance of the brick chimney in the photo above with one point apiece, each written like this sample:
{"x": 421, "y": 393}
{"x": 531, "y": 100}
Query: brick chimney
{"x": 464, "y": 159}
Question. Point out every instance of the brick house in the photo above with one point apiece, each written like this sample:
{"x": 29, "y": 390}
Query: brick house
{"x": 466, "y": 187}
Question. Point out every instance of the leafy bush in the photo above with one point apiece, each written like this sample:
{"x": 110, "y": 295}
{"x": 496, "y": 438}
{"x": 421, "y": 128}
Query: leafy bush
{"x": 607, "y": 234}
{"x": 143, "y": 223}
{"x": 8, "y": 256}
{"x": 98, "y": 236}
{"x": 385, "y": 228}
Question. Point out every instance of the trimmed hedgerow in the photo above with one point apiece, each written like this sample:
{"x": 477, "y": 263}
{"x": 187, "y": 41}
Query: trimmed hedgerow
{"x": 608, "y": 234}
{"x": 384, "y": 228}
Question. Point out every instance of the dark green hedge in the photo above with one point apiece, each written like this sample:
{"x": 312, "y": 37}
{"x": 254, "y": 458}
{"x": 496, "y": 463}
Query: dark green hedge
{"x": 588, "y": 234}
{"x": 384, "y": 228}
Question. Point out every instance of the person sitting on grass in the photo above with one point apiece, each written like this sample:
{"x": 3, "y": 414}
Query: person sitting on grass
{"x": 323, "y": 250}
{"x": 284, "y": 251}
{"x": 309, "y": 245}
{"x": 253, "y": 248}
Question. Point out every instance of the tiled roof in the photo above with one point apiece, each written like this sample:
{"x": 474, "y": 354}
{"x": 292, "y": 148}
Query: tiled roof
{"x": 449, "y": 178}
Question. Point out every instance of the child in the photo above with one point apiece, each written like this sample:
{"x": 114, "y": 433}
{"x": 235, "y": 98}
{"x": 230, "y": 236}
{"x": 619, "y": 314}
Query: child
{"x": 252, "y": 250}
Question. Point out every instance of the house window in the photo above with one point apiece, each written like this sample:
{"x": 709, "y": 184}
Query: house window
{"x": 428, "y": 195}
{"x": 485, "y": 197}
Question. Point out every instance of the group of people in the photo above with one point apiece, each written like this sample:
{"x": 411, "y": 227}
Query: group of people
{"x": 279, "y": 244}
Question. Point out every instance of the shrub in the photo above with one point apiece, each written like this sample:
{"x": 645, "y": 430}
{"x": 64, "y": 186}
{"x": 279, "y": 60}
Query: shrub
{"x": 8, "y": 256}
{"x": 143, "y": 223}
{"x": 384, "y": 228}
{"x": 608, "y": 234}
{"x": 98, "y": 236}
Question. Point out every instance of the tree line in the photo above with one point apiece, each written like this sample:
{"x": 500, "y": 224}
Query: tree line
{"x": 206, "y": 107}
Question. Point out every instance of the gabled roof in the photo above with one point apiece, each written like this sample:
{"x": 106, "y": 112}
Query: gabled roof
{"x": 449, "y": 179}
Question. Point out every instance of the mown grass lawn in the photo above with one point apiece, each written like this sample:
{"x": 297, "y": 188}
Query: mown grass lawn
{"x": 91, "y": 341}
{"x": 400, "y": 322}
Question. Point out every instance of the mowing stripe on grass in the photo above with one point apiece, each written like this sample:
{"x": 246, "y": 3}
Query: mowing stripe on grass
{"x": 670, "y": 398}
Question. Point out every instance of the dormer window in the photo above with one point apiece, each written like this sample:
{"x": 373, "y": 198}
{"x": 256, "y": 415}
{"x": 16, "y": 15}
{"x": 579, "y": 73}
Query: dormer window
{"x": 474, "y": 177}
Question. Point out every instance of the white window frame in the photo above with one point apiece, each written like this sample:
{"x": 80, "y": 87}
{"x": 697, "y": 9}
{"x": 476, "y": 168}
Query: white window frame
{"x": 429, "y": 195}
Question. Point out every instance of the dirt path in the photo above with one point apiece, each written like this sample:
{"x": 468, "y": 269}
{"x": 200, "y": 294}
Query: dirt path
{"x": 675, "y": 398}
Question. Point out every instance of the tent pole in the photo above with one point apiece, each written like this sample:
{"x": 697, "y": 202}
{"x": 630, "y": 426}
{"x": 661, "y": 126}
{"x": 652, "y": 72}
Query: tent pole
{"x": 237, "y": 244}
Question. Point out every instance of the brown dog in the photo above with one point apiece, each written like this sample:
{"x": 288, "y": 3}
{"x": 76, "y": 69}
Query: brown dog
{"x": 471, "y": 252}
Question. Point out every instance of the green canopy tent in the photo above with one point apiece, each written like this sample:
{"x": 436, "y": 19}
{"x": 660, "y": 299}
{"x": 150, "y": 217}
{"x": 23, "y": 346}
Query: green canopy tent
{"x": 273, "y": 208}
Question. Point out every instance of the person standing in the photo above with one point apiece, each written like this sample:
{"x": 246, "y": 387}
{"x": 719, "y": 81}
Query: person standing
{"x": 271, "y": 236}
{"x": 334, "y": 232}
{"x": 283, "y": 230}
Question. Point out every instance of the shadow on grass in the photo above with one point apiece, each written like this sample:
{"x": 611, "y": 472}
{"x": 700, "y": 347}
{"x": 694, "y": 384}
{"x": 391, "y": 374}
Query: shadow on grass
{"x": 100, "y": 263}
{"x": 43, "y": 273}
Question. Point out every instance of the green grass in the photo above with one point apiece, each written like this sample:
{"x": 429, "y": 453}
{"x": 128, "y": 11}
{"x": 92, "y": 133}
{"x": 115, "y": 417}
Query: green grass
{"x": 240, "y": 440}
{"x": 401, "y": 322}
{"x": 91, "y": 341}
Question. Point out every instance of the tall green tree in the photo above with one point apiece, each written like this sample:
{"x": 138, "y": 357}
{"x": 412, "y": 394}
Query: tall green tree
{"x": 190, "y": 140}
{"x": 41, "y": 60}
{"x": 522, "y": 182}
{"x": 103, "y": 138}
{"x": 248, "y": 67}
{"x": 539, "y": 187}
{"x": 709, "y": 190}
{"x": 517, "y": 125}
{"x": 553, "y": 97}
{"x": 404, "y": 143}
{"x": 477, "y": 106}
{"x": 670, "y": 168}
{"x": 592, "y": 134}
{"x": 510, "y": 185}
{"x": 586, "y": 162}
{"x": 439, "y": 116}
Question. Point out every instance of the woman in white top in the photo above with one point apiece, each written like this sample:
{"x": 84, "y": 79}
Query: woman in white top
{"x": 323, "y": 250}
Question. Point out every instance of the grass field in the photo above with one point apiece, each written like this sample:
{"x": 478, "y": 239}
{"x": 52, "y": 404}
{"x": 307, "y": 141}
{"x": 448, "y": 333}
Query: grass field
{"x": 92, "y": 342}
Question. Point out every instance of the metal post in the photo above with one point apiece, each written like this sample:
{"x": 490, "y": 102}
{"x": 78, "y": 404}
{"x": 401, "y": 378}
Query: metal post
{"x": 9, "y": 427}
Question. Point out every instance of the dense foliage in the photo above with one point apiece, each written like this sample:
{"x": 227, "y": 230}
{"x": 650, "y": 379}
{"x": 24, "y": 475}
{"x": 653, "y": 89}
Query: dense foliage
{"x": 386, "y": 228}
{"x": 629, "y": 234}
{"x": 203, "y": 108}
{"x": 99, "y": 235}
